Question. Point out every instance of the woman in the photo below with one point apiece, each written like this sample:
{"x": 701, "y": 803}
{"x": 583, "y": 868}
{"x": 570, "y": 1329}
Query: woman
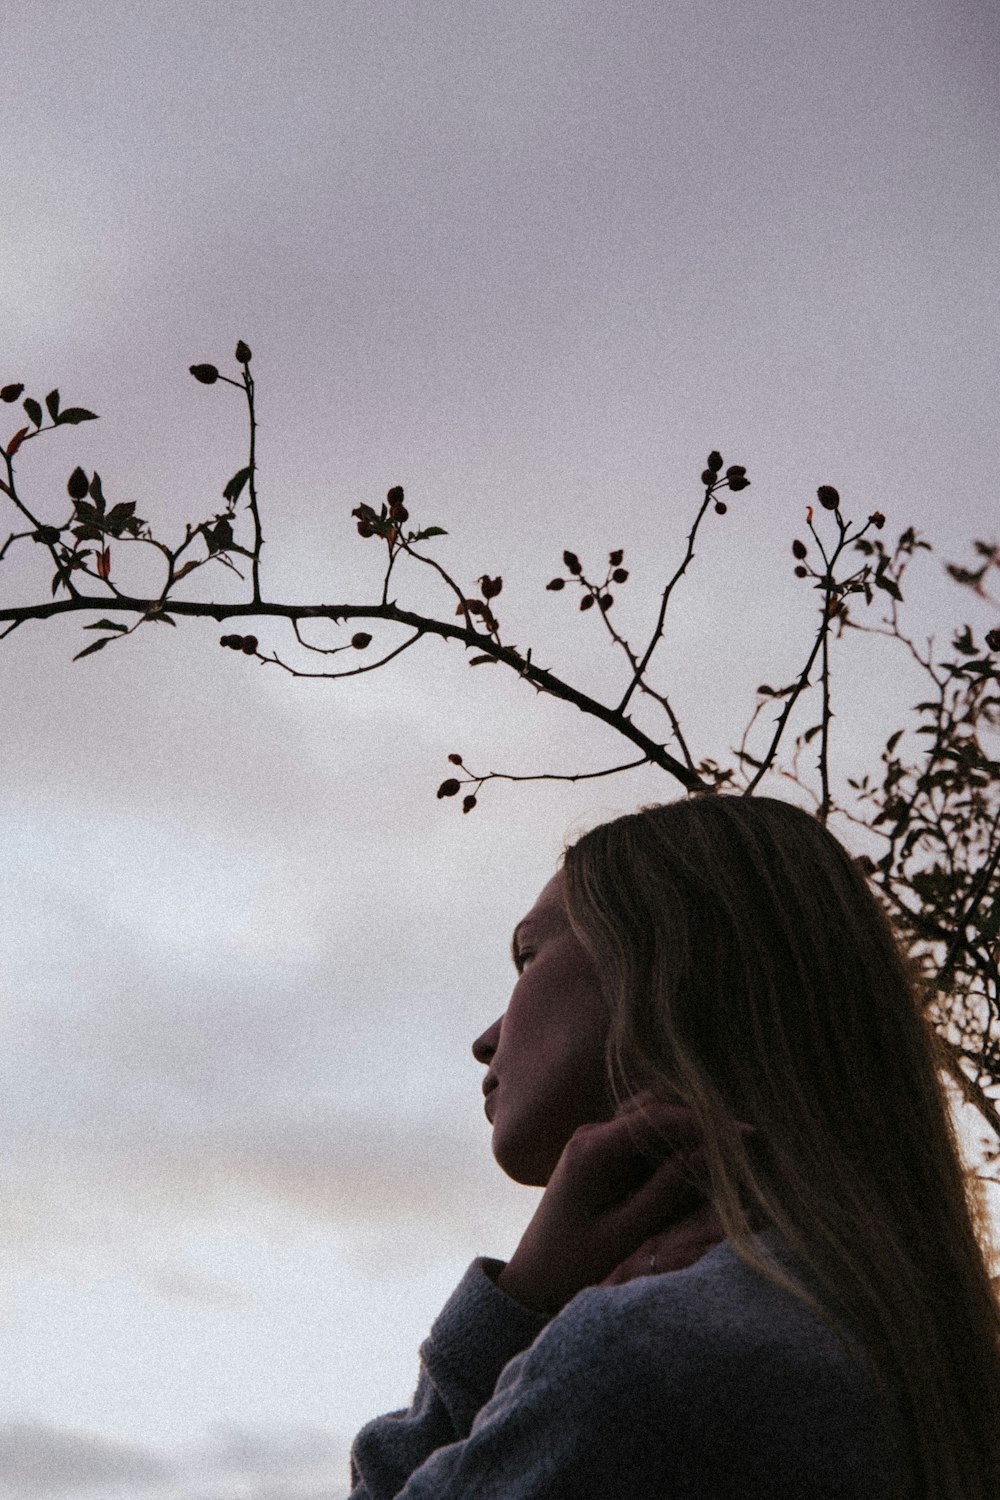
{"x": 759, "y": 1267}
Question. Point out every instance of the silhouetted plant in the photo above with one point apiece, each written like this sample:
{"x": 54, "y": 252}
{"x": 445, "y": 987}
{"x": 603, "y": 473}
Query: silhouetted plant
{"x": 944, "y": 807}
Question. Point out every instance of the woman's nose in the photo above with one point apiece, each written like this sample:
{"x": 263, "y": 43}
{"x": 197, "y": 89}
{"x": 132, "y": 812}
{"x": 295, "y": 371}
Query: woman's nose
{"x": 485, "y": 1045}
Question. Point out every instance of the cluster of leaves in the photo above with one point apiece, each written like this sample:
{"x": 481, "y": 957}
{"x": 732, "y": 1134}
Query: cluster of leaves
{"x": 70, "y": 415}
{"x": 91, "y": 519}
{"x": 388, "y": 521}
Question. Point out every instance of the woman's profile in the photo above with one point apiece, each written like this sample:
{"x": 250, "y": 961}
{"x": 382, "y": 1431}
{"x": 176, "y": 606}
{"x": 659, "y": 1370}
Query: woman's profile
{"x": 759, "y": 1266}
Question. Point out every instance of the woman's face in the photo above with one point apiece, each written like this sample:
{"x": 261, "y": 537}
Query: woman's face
{"x": 546, "y": 1052}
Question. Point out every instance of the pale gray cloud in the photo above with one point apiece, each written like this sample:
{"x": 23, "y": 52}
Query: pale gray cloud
{"x": 39, "y": 1461}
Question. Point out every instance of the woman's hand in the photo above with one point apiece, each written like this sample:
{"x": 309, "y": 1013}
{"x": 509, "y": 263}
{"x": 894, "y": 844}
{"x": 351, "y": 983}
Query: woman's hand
{"x": 672, "y": 1249}
{"x": 611, "y": 1196}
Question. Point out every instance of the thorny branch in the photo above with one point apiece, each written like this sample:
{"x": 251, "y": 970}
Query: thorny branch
{"x": 944, "y": 809}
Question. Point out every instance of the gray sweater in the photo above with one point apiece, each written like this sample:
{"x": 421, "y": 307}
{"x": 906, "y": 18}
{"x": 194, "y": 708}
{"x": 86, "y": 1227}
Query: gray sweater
{"x": 703, "y": 1384}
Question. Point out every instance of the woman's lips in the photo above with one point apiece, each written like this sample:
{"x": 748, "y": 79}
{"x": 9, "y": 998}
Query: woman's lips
{"x": 489, "y": 1104}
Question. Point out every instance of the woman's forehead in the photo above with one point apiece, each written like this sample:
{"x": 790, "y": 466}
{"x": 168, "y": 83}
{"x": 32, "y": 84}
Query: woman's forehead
{"x": 549, "y": 909}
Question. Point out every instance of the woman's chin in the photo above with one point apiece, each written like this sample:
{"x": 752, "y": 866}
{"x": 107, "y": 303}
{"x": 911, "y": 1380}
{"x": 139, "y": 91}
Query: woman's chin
{"x": 527, "y": 1165}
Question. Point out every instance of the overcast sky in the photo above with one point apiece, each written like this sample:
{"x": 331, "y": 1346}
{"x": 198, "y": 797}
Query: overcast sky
{"x": 532, "y": 261}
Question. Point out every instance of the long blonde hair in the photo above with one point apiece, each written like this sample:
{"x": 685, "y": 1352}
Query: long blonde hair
{"x": 753, "y": 972}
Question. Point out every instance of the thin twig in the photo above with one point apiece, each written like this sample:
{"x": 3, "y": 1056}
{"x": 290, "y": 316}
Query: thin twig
{"x": 658, "y": 629}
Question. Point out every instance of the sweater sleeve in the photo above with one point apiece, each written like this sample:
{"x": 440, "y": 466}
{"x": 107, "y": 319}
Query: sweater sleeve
{"x": 478, "y": 1331}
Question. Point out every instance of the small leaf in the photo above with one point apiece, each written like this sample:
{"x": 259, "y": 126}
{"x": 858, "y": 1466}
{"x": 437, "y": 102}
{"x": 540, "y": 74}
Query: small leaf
{"x": 52, "y": 402}
{"x": 221, "y": 537}
{"x": 165, "y": 618}
{"x": 33, "y": 409}
{"x": 428, "y": 531}
{"x": 187, "y": 568}
{"x": 97, "y": 492}
{"x": 235, "y": 485}
{"x": 811, "y": 732}
{"x": 107, "y": 625}
{"x": 893, "y": 741}
{"x": 119, "y": 514}
{"x": 74, "y": 415}
{"x": 78, "y": 485}
{"x": 94, "y": 646}
{"x": 477, "y": 661}
{"x": 16, "y": 441}
{"x": 890, "y": 587}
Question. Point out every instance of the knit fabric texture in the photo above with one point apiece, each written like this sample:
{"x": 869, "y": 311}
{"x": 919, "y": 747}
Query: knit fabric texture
{"x": 708, "y": 1383}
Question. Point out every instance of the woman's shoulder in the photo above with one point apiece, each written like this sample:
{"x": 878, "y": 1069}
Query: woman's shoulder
{"x": 725, "y": 1352}
{"x": 711, "y": 1323}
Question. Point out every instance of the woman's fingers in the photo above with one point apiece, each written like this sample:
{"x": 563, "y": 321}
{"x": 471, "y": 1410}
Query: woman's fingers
{"x": 672, "y": 1249}
{"x": 669, "y": 1190}
{"x": 640, "y": 1167}
{"x": 656, "y": 1127}
{"x": 666, "y": 1108}
{"x": 646, "y": 1097}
